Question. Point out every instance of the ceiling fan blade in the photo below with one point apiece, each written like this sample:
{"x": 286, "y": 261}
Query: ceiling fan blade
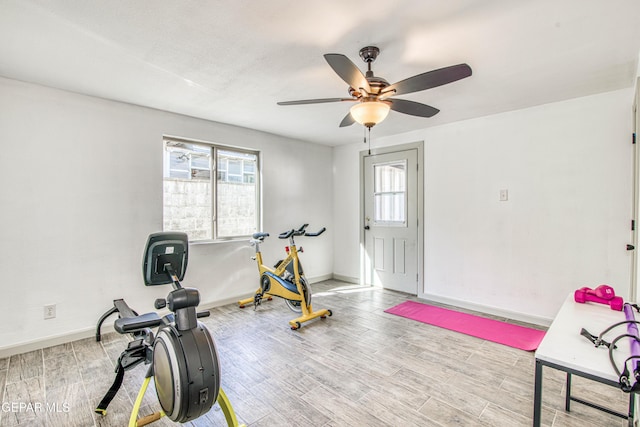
{"x": 347, "y": 121}
{"x": 315, "y": 101}
{"x": 347, "y": 71}
{"x": 412, "y": 108}
{"x": 430, "y": 79}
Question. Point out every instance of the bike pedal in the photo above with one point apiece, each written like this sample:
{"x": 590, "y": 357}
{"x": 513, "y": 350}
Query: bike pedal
{"x": 257, "y": 300}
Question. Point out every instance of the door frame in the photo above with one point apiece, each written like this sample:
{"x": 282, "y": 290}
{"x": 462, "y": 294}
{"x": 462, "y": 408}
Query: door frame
{"x": 419, "y": 146}
{"x": 633, "y": 288}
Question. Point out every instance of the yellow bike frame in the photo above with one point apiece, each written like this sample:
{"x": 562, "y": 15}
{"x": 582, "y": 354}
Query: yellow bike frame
{"x": 276, "y": 287}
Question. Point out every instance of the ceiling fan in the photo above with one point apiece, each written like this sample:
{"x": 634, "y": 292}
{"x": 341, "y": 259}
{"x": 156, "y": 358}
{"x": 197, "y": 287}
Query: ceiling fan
{"x": 372, "y": 94}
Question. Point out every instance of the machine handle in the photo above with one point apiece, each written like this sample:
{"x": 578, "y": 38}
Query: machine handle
{"x": 126, "y": 325}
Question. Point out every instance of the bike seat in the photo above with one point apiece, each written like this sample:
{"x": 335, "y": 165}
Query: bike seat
{"x": 127, "y": 325}
{"x": 260, "y": 235}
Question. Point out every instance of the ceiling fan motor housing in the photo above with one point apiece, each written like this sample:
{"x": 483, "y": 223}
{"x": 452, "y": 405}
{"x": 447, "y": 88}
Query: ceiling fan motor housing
{"x": 369, "y": 53}
{"x": 377, "y": 83}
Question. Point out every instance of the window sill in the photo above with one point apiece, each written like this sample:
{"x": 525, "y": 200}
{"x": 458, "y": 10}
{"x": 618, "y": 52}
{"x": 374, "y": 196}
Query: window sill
{"x": 214, "y": 242}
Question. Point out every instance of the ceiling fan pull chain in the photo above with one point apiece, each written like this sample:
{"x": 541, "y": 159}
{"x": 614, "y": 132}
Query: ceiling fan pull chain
{"x": 369, "y": 140}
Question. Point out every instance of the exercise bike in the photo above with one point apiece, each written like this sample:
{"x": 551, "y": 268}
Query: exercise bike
{"x": 286, "y": 279}
{"x": 182, "y": 356}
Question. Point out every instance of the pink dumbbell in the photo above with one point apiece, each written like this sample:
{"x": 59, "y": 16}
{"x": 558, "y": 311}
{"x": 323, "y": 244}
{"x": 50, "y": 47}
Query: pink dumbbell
{"x": 603, "y": 294}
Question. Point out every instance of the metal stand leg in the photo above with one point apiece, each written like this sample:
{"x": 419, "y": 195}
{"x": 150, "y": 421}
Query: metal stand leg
{"x": 567, "y": 397}
{"x": 227, "y": 410}
{"x": 537, "y": 395}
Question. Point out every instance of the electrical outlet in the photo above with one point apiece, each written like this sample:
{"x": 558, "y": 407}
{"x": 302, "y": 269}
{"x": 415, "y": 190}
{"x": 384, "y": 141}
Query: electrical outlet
{"x": 504, "y": 195}
{"x": 49, "y": 311}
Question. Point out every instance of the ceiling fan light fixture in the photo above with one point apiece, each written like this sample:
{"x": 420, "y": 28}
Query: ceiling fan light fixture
{"x": 370, "y": 113}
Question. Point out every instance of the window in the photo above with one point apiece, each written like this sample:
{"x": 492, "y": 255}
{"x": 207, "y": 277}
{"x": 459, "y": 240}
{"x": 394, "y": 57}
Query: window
{"x": 210, "y": 191}
{"x": 236, "y": 167}
{"x": 389, "y": 188}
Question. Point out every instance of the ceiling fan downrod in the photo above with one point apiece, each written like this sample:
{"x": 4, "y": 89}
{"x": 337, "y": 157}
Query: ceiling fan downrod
{"x": 368, "y": 55}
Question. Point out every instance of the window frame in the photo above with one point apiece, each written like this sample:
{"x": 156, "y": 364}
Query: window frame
{"x": 213, "y": 180}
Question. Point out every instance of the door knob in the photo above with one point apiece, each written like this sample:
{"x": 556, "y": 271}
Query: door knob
{"x": 366, "y": 227}
{"x": 630, "y": 247}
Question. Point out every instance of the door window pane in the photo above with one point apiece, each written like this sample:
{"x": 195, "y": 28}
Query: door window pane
{"x": 389, "y": 197}
{"x": 389, "y": 207}
{"x": 390, "y": 177}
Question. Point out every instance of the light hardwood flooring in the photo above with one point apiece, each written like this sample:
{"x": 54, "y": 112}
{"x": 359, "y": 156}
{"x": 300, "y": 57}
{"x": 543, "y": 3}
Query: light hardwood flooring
{"x": 360, "y": 367}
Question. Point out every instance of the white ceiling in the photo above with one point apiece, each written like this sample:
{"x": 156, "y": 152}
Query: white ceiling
{"x": 231, "y": 61}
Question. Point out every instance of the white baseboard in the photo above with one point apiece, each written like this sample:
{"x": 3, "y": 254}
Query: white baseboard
{"x": 89, "y": 332}
{"x": 495, "y": 311}
{"x": 213, "y": 304}
{"x": 318, "y": 279}
{"x": 347, "y": 279}
{"x": 37, "y": 344}
{"x": 40, "y": 343}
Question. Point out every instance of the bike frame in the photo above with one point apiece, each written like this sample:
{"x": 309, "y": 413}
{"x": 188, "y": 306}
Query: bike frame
{"x": 283, "y": 291}
{"x": 280, "y": 287}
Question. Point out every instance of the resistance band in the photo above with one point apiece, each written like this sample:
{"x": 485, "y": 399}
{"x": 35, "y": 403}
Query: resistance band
{"x": 634, "y": 343}
{"x": 627, "y": 382}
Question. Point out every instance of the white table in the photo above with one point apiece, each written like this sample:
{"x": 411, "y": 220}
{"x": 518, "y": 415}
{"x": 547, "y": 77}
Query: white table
{"x": 565, "y": 349}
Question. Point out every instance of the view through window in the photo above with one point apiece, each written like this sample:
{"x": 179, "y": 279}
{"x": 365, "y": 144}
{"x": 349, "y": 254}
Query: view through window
{"x": 210, "y": 191}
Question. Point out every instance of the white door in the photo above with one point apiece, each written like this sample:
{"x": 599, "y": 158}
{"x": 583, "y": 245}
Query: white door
{"x": 390, "y": 221}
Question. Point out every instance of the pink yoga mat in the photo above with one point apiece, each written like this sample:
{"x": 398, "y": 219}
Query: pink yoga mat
{"x": 480, "y": 327}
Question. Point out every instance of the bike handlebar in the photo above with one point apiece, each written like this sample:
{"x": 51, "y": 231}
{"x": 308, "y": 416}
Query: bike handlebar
{"x": 317, "y": 233}
{"x": 286, "y": 234}
{"x": 300, "y": 232}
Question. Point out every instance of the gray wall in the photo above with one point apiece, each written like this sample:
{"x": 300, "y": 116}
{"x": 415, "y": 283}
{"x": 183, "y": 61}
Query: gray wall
{"x": 568, "y": 169}
{"x": 567, "y": 165}
{"x": 82, "y": 189}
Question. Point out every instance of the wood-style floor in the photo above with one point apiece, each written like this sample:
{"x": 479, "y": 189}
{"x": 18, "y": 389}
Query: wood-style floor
{"x": 360, "y": 367}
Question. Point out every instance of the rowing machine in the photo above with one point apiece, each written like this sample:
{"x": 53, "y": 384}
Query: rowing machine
{"x": 182, "y": 356}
